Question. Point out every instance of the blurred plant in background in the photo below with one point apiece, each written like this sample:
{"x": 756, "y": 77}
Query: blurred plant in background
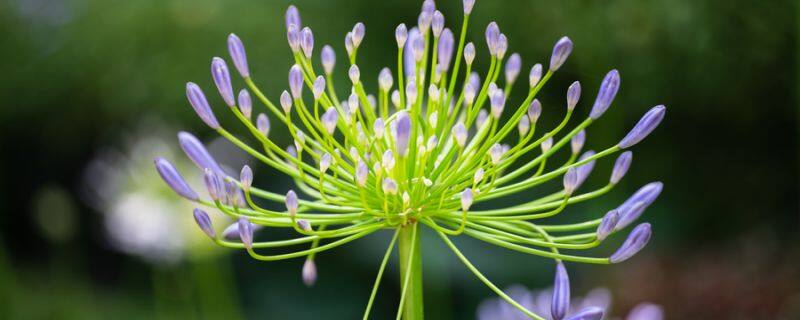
{"x": 540, "y": 301}
{"x": 416, "y": 165}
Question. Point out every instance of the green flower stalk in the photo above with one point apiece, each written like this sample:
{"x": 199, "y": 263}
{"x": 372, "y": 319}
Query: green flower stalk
{"x": 422, "y": 152}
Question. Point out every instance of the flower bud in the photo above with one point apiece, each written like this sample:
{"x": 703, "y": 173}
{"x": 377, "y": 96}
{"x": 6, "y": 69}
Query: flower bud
{"x": 483, "y": 115}
{"x": 387, "y": 160}
{"x": 359, "y": 30}
{"x": 446, "y": 44}
{"x": 401, "y": 35}
{"x": 245, "y": 104}
{"x": 437, "y": 23}
{"x": 328, "y": 57}
{"x": 573, "y": 95}
{"x": 586, "y": 169}
{"x": 222, "y": 79}
{"x": 231, "y": 233}
{"x": 236, "y": 50}
{"x": 286, "y": 101}
{"x": 361, "y": 173}
{"x": 246, "y": 232}
{"x": 560, "y": 301}
{"x": 460, "y": 134}
{"x": 535, "y": 75}
{"x": 589, "y": 313}
{"x": 469, "y": 94}
{"x": 291, "y": 202}
{"x": 246, "y": 177}
{"x": 389, "y": 186}
{"x": 402, "y": 134}
{"x": 204, "y": 222}
{"x": 329, "y": 120}
{"x": 262, "y": 123}
{"x": 469, "y": 53}
{"x": 214, "y": 185}
{"x": 621, "y": 166}
{"x": 292, "y": 16}
{"x": 378, "y": 128}
{"x": 577, "y": 141}
{"x": 300, "y": 141}
{"x": 309, "y": 272}
{"x": 513, "y": 65}
{"x": 396, "y": 99}
{"x": 424, "y": 21}
{"x": 607, "y": 225}
{"x": 293, "y": 37}
{"x": 411, "y": 92}
{"x": 502, "y": 46}
{"x": 647, "y": 124}
{"x": 385, "y": 79}
{"x": 428, "y": 6}
{"x": 198, "y": 153}
{"x": 561, "y": 51}
{"x": 296, "y": 81}
{"x": 635, "y": 242}
{"x": 354, "y": 74}
{"x": 608, "y": 90}
{"x": 466, "y": 199}
{"x": 478, "y": 176}
{"x": 547, "y": 144}
{"x": 200, "y": 105}
{"x": 534, "y": 111}
{"x": 632, "y": 209}
{"x": 307, "y": 42}
{"x": 468, "y": 5}
{"x": 570, "y": 180}
{"x": 498, "y": 102}
{"x": 406, "y": 199}
{"x": 348, "y": 44}
{"x": 319, "y": 87}
{"x": 496, "y": 153}
{"x": 325, "y": 162}
{"x": 418, "y": 48}
{"x": 174, "y": 180}
{"x": 492, "y": 37}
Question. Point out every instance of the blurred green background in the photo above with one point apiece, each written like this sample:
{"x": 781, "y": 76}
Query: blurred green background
{"x": 92, "y": 89}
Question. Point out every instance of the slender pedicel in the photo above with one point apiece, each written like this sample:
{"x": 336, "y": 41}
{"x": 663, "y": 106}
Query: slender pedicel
{"x": 174, "y": 180}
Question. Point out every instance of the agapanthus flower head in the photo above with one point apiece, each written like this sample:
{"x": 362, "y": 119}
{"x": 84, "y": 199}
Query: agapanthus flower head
{"x": 423, "y": 151}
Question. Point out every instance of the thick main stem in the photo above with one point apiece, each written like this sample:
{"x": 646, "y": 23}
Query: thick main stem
{"x": 410, "y": 248}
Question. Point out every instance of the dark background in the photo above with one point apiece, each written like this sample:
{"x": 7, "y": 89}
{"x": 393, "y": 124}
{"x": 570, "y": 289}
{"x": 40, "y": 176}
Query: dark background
{"x": 82, "y": 77}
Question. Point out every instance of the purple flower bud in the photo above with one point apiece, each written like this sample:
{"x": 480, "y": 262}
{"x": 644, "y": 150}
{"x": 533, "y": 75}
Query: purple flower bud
{"x": 296, "y": 81}
{"x": 534, "y": 110}
{"x": 588, "y": 313}
{"x": 460, "y": 134}
{"x": 468, "y": 5}
{"x": 418, "y": 47}
{"x": 474, "y": 80}
{"x": 608, "y": 90}
{"x": 328, "y": 57}
{"x": 245, "y": 104}
{"x": 478, "y": 176}
{"x": 359, "y": 30}
{"x": 469, "y": 53}
{"x": 513, "y": 65}
{"x": 483, "y": 115}
{"x": 428, "y": 6}
{"x": 646, "y": 194}
{"x": 498, "y": 102}
{"x": 286, "y": 101}
{"x": 236, "y": 50}
{"x": 586, "y": 169}
{"x": 570, "y": 180}
{"x": 200, "y": 105}
{"x": 246, "y": 177}
{"x": 291, "y": 202}
{"x": 246, "y": 232}
{"x": 232, "y": 194}
{"x": 389, "y": 186}
{"x": 219, "y": 71}
{"x": 424, "y": 21}
{"x": 293, "y": 37}
{"x": 437, "y": 23}
{"x": 348, "y": 44}
{"x": 262, "y": 123}
{"x": 469, "y": 94}
{"x": 466, "y": 199}
{"x": 292, "y": 17}
{"x": 547, "y": 144}
{"x": 378, "y": 128}
{"x": 361, "y": 173}
{"x": 502, "y": 46}
{"x": 325, "y": 162}
{"x": 647, "y": 124}
{"x": 621, "y": 166}
{"x": 329, "y": 119}
{"x": 637, "y": 239}
{"x": 577, "y": 141}
{"x": 231, "y": 233}
{"x": 573, "y": 94}
{"x": 523, "y": 126}
{"x": 307, "y": 42}
{"x": 560, "y": 301}
{"x": 535, "y": 75}
{"x": 319, "y": 87}
{"x": 195, "y": 150}
{"x": 646, "y": 311}
{"x": 492, "y": 37}
{"x": 204, "y": 222}
{"x": 401, "y": 35}
{"x": 607, "y": 225}
{"x": 309, "y": 272}
{"x": 631, "y": 214}
{"x": 385, "y": 79}
{"x": 214, "y": 185}
{"x": 354, "y": 74}
{"x": 561, "y": 51}
{"x": 403, "y": 133}
{"x": 174, "y": 180}
{"x": 496, "y": 153}
{"x": 446, "y": 43}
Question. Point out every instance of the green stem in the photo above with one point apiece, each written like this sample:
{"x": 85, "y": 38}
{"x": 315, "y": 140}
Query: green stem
{"x": 411, "y": 265}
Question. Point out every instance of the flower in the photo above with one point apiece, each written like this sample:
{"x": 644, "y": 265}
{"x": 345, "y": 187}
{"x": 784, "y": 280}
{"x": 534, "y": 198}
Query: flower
{"x": 414, "y": 162}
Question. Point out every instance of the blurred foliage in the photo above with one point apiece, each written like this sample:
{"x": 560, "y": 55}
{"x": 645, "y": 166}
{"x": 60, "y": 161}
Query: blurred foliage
{"x": 79, "y": 75}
